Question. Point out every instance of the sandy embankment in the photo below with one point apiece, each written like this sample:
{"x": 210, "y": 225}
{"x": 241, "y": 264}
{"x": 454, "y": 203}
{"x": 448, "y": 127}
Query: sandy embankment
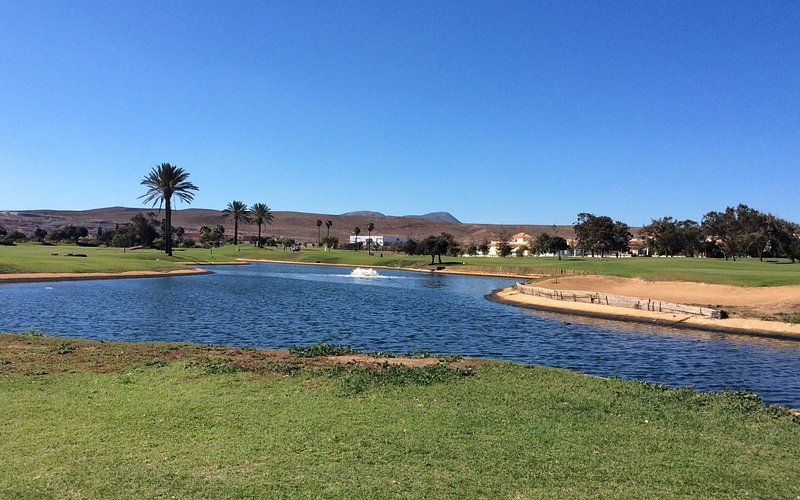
{"x": 35, "y": 277}
{"x": 763, "y": 300}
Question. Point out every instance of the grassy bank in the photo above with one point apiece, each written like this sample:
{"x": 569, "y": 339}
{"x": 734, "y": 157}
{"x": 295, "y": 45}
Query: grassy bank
{"x": 30, "y": 258}
{"x": 103, "y": 419}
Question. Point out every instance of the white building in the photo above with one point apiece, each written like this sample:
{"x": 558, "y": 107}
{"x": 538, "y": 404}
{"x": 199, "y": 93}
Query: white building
{"x": 377, "y": 239}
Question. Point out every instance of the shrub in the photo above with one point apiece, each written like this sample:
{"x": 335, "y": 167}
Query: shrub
{"x": 321, "y": 349}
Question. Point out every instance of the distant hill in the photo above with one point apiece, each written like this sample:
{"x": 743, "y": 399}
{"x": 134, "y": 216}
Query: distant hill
{"x": 364, "y": 213}
{"x": 298, "y": 225}
{"x": 438, "y": 216}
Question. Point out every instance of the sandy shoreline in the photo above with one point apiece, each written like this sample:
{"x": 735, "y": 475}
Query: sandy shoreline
{"x": 759, "y": 300}
{"x": 38, "y": 277}
{"x": 753, "y": 327}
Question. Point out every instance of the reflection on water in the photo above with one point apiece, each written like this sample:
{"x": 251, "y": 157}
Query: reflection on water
{"x": 274, "y": 305}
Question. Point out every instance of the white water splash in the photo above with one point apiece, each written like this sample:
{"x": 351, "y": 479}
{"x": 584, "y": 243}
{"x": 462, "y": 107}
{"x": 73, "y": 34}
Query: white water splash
{"x": 361, "y": 272}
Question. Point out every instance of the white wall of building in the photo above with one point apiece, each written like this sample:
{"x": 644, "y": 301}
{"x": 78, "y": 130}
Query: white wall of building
{"x": 377, "y": 239}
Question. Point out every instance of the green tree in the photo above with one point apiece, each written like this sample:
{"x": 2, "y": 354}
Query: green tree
{"x": 410, "y": 247}
{"x": 239, "y": 212}
{"x": 74, "y": 233}
{"x": 261, "y": 215}
{"x": 539, "y": 244}
{"x": 328, "y": 224}
{"x": 370, "y": 227}
{"x": 436, "y": 246}
{"x": 16, "y": 236}
{"x": 163, "y": 182}
{"x": 40, "y": 234}
{"x": 670, "y": 237}
{"x": 483, "y": 247}
{"x": 319, "y": 225}
{"x": 206, "y": 236}
{"x": 784, "y": 238}
{"x": 724, "y": 228}
{"x": 144, "y": 230}
{"x": 219, "y": 234}
{"x": 330, "y": 242}
{"x": 556, "y": 245}
{"x": 601, "y": 234}
{"x": 357, "y": 231}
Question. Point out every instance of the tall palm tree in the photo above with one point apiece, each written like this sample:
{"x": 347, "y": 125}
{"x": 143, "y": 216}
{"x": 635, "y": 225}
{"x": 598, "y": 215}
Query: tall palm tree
{"x": 163, "y": 182}
{"x": 370, "y": 227}
{"x": 357, "y": 230}
{"x": 239, "y": 212}
{"x": 328, "y": 224}
{"x": 319, "y": 224}
{"x": 261, "y": 214}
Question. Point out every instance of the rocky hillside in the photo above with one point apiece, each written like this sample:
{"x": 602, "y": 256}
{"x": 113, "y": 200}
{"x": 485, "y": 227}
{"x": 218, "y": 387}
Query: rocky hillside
{"x": 298, "y": 225}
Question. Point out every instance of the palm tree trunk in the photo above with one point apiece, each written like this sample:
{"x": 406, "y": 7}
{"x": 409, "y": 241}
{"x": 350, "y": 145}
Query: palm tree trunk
{"x": 168, "y": 226}
{"x": 259, "y": 236}
{"x": 235, "y": 231}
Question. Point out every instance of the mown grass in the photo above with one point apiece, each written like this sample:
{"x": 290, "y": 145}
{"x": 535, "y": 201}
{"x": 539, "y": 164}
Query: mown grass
{"x": 28, "y": 258}
{"x": 746, "y": 272}
{"x": 110, "y": 420}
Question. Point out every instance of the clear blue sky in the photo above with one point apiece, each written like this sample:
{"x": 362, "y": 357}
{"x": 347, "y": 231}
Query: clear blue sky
{"x": 504, "y": 112}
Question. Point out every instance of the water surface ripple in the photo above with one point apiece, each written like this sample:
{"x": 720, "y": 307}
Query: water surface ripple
{"x": 278, "y": 305}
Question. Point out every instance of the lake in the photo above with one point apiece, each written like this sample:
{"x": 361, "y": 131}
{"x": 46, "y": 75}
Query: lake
{"x": 280, "y": 305}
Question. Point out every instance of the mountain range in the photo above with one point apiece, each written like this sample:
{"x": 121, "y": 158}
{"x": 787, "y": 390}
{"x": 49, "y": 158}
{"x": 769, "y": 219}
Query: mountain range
{"x": 298, "y": 225}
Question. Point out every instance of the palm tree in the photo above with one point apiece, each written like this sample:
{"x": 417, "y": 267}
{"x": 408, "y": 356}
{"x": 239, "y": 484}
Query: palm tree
{"x": 239, "y": 212}
{"x": 328, "y": 224}
{"x": 319, "y": 224}
{"x": 370, "y": 227}
{"x": 261, "y": 215}
{"x": 163, "y": 182}
{"x": 357, "y": 230}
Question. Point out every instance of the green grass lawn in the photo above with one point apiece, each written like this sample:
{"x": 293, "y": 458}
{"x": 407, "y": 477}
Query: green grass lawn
{"x": 748, "y": 272}
{"x": 28, "y": 258}
{"x": 89, "y": 419}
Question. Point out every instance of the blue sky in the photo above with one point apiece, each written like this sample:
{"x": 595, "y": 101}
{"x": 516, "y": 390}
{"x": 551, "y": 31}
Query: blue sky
{"x": 503, "y": 112}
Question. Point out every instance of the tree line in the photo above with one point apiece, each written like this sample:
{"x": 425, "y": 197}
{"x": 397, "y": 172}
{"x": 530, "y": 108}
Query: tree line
{"x": 738, "y": 231}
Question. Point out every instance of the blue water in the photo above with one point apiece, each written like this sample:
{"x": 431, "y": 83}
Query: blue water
{"x": 277, "y": 305}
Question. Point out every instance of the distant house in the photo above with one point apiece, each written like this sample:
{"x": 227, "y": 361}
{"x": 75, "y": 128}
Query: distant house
{"x": 520, "y": 239}
{"x": 516, "y": 241}
{"x": 377, "y": 239}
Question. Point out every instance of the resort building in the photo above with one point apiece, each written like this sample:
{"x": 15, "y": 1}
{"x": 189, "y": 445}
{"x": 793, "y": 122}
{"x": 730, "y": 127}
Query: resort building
{"x": 377, "y": 239}
{"x": 516, "y": 241}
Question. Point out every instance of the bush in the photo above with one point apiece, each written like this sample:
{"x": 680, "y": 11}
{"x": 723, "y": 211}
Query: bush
{"x": 321, "y": 349}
